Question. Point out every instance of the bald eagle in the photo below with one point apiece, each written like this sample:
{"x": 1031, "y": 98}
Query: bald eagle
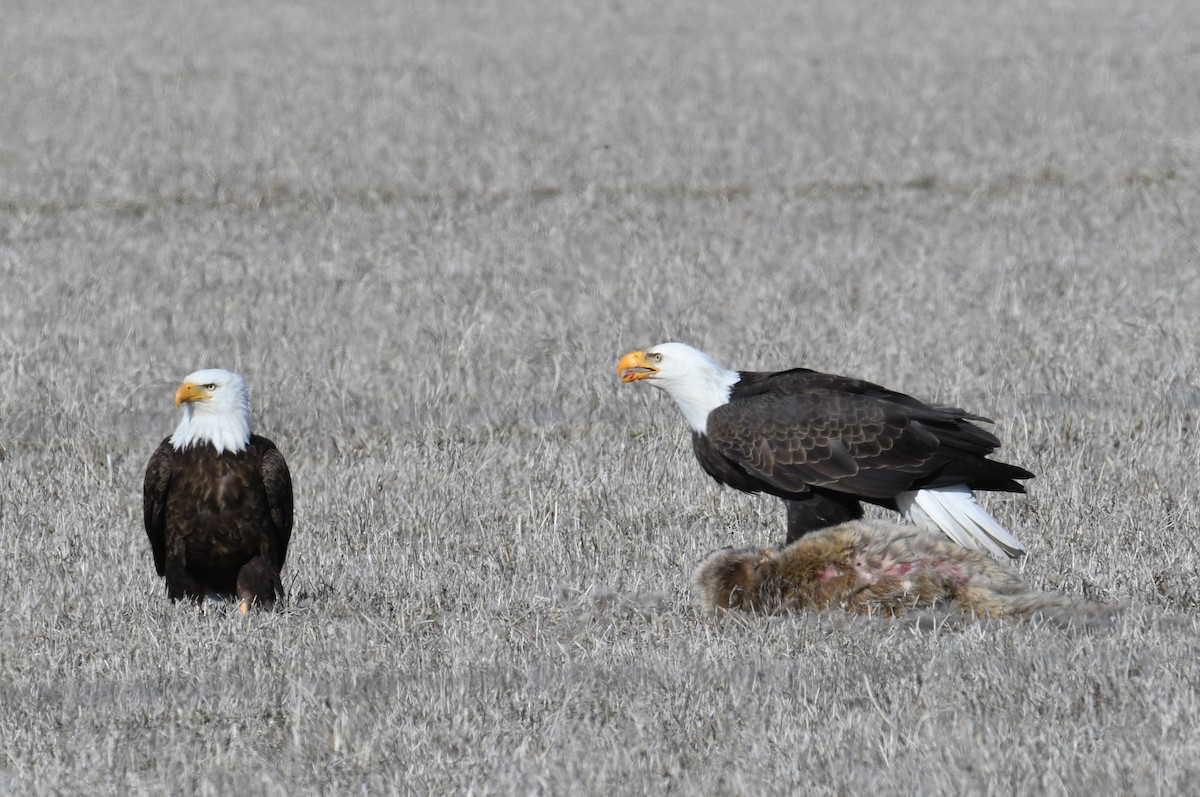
{"x": 826, "y": 443}
{"x": 218, "y": 499}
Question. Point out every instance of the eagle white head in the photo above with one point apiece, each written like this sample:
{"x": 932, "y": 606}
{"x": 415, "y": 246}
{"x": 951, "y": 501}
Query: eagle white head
{"x": 697, "y": 382}
{"x": 216, "y": 410}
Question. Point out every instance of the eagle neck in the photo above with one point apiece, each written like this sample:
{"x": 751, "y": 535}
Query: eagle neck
{"x": 225, "y": 431}
{"x": 698, "y": 398}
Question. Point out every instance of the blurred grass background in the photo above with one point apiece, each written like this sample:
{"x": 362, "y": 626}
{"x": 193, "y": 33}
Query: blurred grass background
{"x": 425, "y": 232}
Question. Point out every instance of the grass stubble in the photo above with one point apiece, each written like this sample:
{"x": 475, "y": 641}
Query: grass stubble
{"x": 424, "y": 234}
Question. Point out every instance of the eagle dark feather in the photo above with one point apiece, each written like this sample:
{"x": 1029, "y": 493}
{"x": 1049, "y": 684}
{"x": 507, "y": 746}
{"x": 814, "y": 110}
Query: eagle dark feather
{"x": 828, "y": 441}
{"x": 209, "y": 516}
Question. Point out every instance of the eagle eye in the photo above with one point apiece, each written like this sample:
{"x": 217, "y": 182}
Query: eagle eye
{"x": 210, "y": 386}
{"x": 656, "y": 356}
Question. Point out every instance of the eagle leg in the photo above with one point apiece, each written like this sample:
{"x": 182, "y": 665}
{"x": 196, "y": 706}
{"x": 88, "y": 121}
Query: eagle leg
{"x": 182, "y": 585}
{"x": 818, "y": 511}
{"x": 258, "y": 583}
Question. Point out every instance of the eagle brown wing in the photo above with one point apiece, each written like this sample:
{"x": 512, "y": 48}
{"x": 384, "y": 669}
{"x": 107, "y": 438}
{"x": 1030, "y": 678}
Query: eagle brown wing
{"x": 154, "y": 502}
{"x": 799, "y": 429}
{"x": 278, "y": 483}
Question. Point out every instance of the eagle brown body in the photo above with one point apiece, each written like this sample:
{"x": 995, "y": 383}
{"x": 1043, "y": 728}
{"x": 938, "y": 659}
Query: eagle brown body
{"x": 825, "y": 443}
{"x": 873, "y": 567}
{"x": 211, "y": 516}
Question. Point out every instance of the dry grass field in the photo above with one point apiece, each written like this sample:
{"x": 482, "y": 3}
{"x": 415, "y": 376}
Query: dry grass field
{"x": 426, "y": 231}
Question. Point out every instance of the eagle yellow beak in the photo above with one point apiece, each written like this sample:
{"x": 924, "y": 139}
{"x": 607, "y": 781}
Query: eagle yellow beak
{"x": 189, "y": 391}
{"x": 244, "y": 607}
{"x": 633, "y": 367}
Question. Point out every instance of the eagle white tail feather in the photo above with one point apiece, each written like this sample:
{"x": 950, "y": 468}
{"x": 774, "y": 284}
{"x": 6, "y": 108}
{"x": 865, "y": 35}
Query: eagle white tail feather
{"x": 955, "y": 512}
